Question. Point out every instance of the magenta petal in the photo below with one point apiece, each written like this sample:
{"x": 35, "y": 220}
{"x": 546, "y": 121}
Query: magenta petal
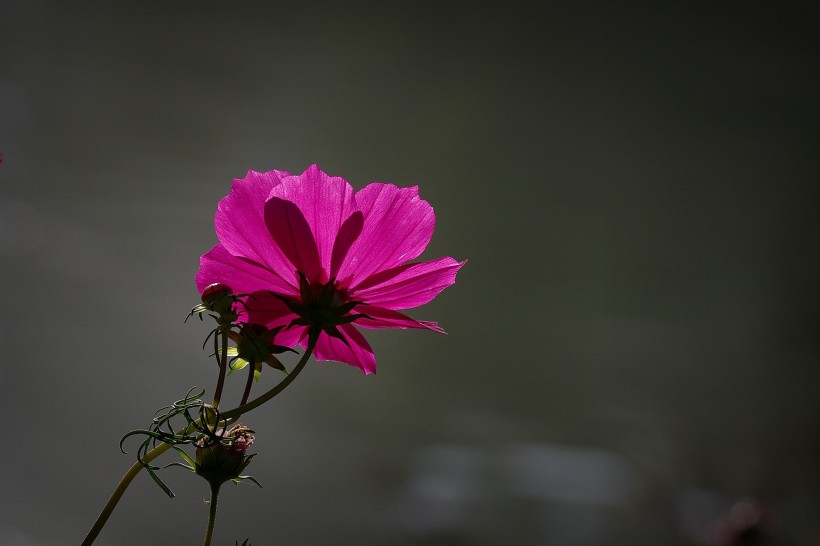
{"x": 266, "y": 309}
{"x": 408, "y": 286}
{"x": 325, "y": 201}
{"x": 240, "y": 222}
{"x": 289, "y": 337}
{"x": 398, "y": 225}
{"x": 348, "y": 234}
{"x": 241, "y": 274}
{"x": 291, "y": 232}
{"x": 356, "y": 353}
{"x": 379, "y": 317}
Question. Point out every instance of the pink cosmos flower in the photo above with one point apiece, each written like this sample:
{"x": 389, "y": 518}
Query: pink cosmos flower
{"x": 309, "y": 251}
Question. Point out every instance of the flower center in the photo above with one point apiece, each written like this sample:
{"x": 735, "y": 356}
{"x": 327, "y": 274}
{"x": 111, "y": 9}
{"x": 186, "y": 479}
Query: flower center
{"x": 324, "y": 307}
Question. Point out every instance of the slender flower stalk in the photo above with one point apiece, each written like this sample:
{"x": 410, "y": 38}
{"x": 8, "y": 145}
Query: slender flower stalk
{"x": 219, "y": 459}
{"x": 209, "y": 532}
{"x": 223, "y": 368}
{"x": 126, "y": 480}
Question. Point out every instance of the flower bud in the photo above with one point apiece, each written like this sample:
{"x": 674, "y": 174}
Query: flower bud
{"x": 219, "y": 298}
{"x": 214, "y": 293}
{"x": 224, "y": 457}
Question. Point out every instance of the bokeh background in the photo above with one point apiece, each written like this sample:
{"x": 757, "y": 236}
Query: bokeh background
{"x": 633, "y": 347}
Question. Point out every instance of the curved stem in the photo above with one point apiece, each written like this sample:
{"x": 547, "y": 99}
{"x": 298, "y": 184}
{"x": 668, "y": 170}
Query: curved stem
{"x": 256, "y": 402}
{"x": 121, "y": 487}
{"x": 159, "y": 450}
{"x": 209, "y": 533}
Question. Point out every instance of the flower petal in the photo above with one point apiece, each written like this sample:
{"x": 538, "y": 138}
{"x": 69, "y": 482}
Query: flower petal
{"x": 348, "y": 234}
{"x": 266, "y": 309}
{"x": 409, "y": 285}
{"x": 240, "y": 223}
{"x": 356, "y": 353}
{"x": 398, "y": 225}
{"x": 387, "y": 318}
{"x": 325, "y": 201}
{"x": 291, "y": 233}
{"x": 241, "y": 274}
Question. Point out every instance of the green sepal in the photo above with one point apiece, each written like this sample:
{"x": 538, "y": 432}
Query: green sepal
{"x": 232, "y": 352}
{"x": 185, "y": 466}
{"x": 185, "y": 456}
{"x": 237, "y": 364}
{"x": 274, "y": 362}
{"x": 159, "y": 482}
{"x": 239, "y": 479}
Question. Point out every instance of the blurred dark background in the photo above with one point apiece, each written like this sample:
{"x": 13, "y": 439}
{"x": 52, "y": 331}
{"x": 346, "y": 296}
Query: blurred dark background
{"x": 633, "y": 347}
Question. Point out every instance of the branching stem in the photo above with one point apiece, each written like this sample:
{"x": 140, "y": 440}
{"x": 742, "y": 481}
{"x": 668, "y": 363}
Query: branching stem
{"x": 162, "y": 448}
{"x": 255, "y": 403}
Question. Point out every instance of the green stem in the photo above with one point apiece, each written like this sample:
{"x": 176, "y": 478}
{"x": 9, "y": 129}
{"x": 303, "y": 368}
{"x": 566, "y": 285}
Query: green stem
{"x": 121, "y": 487}
{"x": 159, "y": 450}
{"x": 256, "y": 402}
{"x": 223, "y": 365}
{"x": 209, "y": 533}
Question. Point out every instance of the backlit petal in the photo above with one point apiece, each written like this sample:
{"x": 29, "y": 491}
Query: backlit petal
{"x": 387, "y": 318}
{"x": 348, "y": 234}
{"x": 398, "y": 225}
{"x": 358, "y": 353}
{"x": 291, "y": 233}
{"x": 409, "y": 285}
{"x": 241, "y": 274}
{"x": 266, "y": 309}
{"x": 325, "y": 201}
{"x": 240, "y": 222}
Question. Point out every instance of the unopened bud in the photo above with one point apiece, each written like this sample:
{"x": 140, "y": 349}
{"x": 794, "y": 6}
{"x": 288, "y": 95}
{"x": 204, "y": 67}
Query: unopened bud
{"x": 215, "y": 292}
{"x": 224, "y": 457}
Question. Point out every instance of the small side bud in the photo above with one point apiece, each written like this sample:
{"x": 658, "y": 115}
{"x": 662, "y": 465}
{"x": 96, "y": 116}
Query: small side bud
{"x": 255, "y": 344}
{"x": 214, "y": 293}
{"x": 220, "y": 299}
